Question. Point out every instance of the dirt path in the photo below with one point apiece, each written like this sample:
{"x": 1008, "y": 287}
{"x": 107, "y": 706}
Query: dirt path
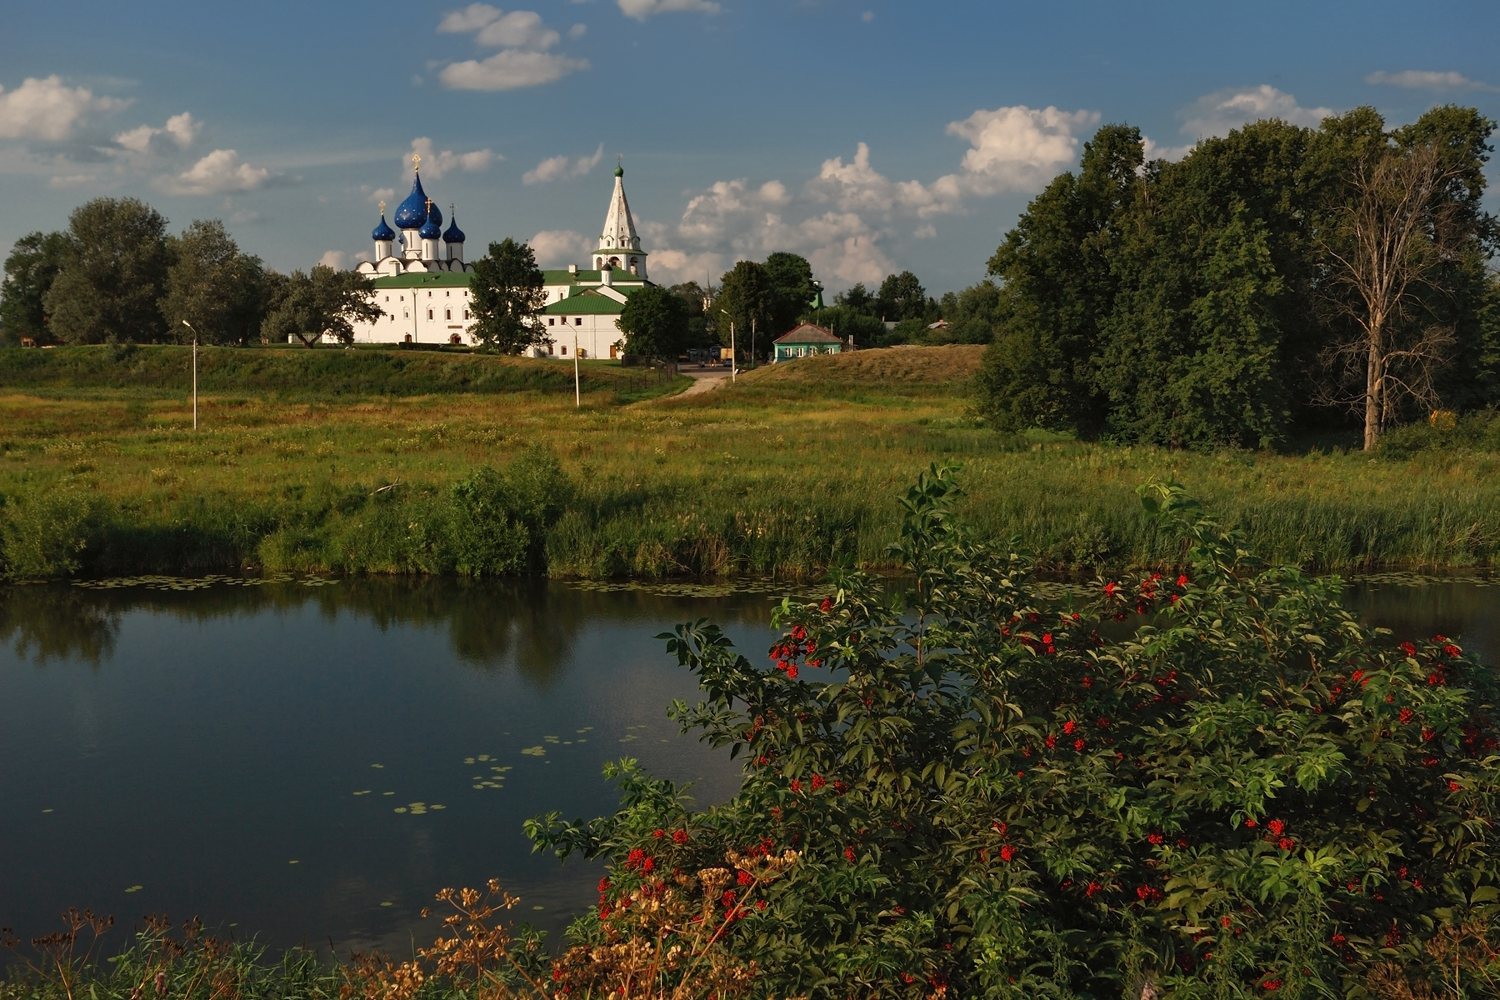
{"x": 704, "y": 380}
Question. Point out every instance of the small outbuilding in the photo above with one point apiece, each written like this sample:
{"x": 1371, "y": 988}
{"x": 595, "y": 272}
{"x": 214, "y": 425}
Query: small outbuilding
{"x": 804, "y": 341}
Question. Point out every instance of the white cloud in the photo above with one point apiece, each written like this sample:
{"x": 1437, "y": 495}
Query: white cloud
{"x": 471, "y": 18}
{"x": 1011, "y": 149}
{"x": 520, "y": 29}
{"x": 559, "y": 167}
{"x": 1422, "y": 79}
{"x": 510, "y": 69}
{"x": 927, "y": 231}
{"x": 46, "y": 108}
{"x": 220, "y": 172}
{"x": 335, "y": 259}
{"x": 1224, "y": 111}
{"x": 385, "y": 194}
{"x": 179, "y": 131}
{"x": 867, "y": 16}
{"x": 577, "y": 31}
{"x": 436, "y": 162}
{"x": 524, "y": 41}
{"x": 66, "y": 182}
{"x": 561, "y": 247}
{"x": 642, "y": 9}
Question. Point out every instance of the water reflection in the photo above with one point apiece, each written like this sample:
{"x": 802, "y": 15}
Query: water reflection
{"x": 313, "y": 760}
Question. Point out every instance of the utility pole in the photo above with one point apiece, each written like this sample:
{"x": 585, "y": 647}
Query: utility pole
{"x": 195, "y": 372}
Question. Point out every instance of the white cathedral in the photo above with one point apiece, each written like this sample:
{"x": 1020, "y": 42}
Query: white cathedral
{"x": 420, "y": 281}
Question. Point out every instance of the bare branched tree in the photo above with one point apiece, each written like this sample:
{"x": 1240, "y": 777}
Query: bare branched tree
{"x": 1386, "y": 249}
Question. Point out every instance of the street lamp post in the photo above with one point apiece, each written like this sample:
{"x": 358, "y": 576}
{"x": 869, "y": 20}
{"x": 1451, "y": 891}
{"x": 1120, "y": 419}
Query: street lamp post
{"x": 195, "y": 372}
{"x": 577, "y": 392}
{"x": 733, "y": 360}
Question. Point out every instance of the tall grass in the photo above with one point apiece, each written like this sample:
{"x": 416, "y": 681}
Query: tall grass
{"x": 786, "y": 472}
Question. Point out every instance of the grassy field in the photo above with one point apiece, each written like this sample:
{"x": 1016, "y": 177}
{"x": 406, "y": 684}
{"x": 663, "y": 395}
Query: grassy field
{"x": 345, "y": 461}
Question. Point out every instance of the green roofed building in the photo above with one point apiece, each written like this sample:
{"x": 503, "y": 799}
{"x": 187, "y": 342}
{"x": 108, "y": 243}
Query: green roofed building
{"x": 420, "y": 281}
{"x": 804, "y": 341}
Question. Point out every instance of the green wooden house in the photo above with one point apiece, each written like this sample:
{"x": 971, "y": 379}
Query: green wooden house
{"x": 804, "y": 341}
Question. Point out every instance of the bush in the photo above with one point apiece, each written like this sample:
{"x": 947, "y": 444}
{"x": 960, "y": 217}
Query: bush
{"x": 498, "y": 521}
{"x": 1210, "y": 781}
{"x": 45, "y": 533}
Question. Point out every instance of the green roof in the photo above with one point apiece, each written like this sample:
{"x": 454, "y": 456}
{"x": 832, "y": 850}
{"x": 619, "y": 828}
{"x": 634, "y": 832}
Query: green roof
{"x": 562, "y": 276}
{"x": 437, "y": 279}
{"x": 586, "y": 302}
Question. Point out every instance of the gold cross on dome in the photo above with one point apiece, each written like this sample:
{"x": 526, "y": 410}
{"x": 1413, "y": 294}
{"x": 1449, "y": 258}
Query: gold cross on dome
{"x": 382, "y": 206}
{"x": 416, "y": 162}
{"x": 429, "y": 206}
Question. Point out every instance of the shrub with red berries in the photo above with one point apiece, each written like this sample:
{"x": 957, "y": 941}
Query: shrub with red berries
{"x": 1209, "y": 777}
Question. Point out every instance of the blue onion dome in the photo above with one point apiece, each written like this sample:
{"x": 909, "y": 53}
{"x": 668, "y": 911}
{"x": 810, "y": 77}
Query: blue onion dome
{"x": 454, "y": 234}
{"x": 413, "y": 211}
{"x": 383, "y": 231}
{"x": 430, "y": 229}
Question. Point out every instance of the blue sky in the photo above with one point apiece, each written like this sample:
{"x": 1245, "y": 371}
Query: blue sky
{"x": 871, "y": 136}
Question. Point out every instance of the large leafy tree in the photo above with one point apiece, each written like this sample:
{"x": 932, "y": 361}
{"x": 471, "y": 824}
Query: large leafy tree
{"x": 32, "y": 266}
{"x": 1058, "y": 288}
{"x": 792, "y": 291}
{"x": 214, "y": 287}
{"x": 654, "y": 323}
{"x": 508, "y": 296}
{"x": 111, "y": 286}
{"x": 901, "y": 296}
{"x": 323, "y": 302}
{"x": 746, "y": 299}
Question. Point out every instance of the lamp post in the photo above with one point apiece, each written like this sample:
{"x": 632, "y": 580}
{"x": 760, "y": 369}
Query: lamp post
{"x": 733, "y": 361}
{"x": 195, "y": 372}
{"x": 577, "y": 392}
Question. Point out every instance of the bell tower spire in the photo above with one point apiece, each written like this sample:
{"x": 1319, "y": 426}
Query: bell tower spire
{"x": 620, "y": 244}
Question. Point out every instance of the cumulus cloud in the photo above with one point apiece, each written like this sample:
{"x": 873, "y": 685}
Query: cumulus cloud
{"x": 436, "y": 162}
{"x": 525, "y": 42}
{"x": 220, "y": 172}
{"x": 561, "y": 247}
{"x": 511, "y": 69}
{"x": 335, "y": 259}
{"x": 180, "y": 131}
{"x": 1011, "y": 149}
{"x": 560, "y": 167}
{"x": 1224, "y": 111}
{"x": 642, "y": 9}
{"x": 45, "y": 108}
{"x": 1423, "y": 79}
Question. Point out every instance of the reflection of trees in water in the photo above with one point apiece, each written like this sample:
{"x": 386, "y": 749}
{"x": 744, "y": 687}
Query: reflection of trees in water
{"x": 57, "y": 622}
{"x": 1467, "y": 611}
{"x": 533, "y": 624}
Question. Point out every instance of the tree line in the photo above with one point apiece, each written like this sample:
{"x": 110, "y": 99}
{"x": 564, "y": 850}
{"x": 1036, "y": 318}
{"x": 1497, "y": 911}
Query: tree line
{"x": 1254, "y": 289}
{"x": 115, "y": 275}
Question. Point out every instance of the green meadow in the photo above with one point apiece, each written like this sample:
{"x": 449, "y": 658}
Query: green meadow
{"x": 354, "y": 461}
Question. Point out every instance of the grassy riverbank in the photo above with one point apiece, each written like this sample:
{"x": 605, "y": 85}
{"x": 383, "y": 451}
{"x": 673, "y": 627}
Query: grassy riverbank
{"x": 346, "y": 461}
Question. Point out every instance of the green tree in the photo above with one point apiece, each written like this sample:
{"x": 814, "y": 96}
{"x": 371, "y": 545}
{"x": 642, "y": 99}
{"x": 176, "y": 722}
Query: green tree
{"x": 860, "y": 328}
{"x": 858, "y": 298}
{"x": 745, "y": 297}
{"x": 1058, "y": 287}
{"x": 792, "y": 290}
{"x": 695, "y": 306}
{"x": 213, "y": 286}
{"x": 32, "y": 266}
{"x": 320, "y": 303}
{"x": 901, "y": 296}
{"x": 508, "y": 297}
{"x": 111, "y": 285}
{"x": 654, "y": 323}
{"x": 973, "y": 315}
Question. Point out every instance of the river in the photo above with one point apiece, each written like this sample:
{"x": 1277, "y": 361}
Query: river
{"x": 307, "y": 761}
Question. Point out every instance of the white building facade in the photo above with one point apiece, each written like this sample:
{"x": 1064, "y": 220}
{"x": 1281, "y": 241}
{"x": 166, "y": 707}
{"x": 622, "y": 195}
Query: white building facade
{"x": 420, "y": 281}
